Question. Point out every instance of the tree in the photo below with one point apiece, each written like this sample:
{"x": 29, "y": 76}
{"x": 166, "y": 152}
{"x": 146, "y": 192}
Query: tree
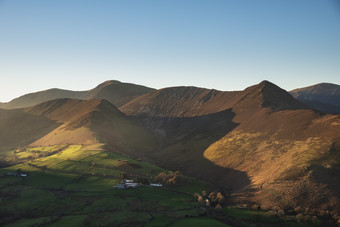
{"x": 220, "y": 198}
{"x": 200, "y": 200}
{"x": 177, "y": 179}
{"x": 161, "y": 177}
{"x": 207, "y": 203}
{"x": 204, "y": 194}
{"x": 218, "y": 207}
{"x": 213, "y": 197}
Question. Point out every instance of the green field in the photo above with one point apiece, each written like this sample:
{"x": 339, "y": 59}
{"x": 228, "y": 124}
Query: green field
{"x": 72, "y": 185}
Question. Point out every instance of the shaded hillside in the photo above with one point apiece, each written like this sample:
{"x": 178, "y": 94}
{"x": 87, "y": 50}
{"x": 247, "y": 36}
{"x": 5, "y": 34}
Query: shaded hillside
{"x": 18, "y": 128}
{"x": 261, "y": 133}
{"x": 91, "y": 121}
{"x": 322, "y": 106}
{"x": 70, "y": 121}
{"x": 324, "y": 97}
{"x": 116, "y": 92}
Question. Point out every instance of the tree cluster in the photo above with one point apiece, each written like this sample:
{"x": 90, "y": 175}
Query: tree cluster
{"x": 172, "y": 178}
{"x": 213, "y": 199}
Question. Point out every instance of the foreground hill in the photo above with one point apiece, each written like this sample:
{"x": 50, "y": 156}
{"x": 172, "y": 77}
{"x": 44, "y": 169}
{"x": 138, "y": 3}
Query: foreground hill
{"x": 71, "y": 121}
{"x": 116, "y": 92}
{"x": 260, "y": 142}
{"x": 324, "y": 97}
{"x": 18, "y": 128}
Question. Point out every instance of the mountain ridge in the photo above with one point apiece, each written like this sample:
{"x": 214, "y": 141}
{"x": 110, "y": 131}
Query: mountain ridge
{"x": 262, "y": 132}
{"x": 324, "y": 97}
{"x": 116, "y": 92}
{"x": 257, "y": 142}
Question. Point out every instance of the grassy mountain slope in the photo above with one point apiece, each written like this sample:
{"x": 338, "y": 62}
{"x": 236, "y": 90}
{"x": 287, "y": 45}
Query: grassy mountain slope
{"x": 260, "y": 141}
{"x": 324, "y": 97}
{"x": 72, "y": 167}
{"x": 71, "y": 121}
{"x": 88, "y": 121}
{"x": 116, "y": 92}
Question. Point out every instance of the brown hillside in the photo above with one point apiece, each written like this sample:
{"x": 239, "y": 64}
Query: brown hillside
{"x": 70, "y": 121}
{"x": 181, "y": 102}
{"x": 117, "y": 93}
{"x": 92, "y": 121}
{"x": 261, "y": 142}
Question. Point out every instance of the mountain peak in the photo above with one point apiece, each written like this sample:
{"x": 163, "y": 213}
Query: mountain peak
{"x": 266, "y": 82}
{"x": 278, "y": 98}
{"x": 108, "y": 83}
{"x": 268, "y": 94}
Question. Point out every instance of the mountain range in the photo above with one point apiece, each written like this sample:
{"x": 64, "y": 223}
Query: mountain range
{"x": 261, "y": 145}
{"x": 113, "y": 91}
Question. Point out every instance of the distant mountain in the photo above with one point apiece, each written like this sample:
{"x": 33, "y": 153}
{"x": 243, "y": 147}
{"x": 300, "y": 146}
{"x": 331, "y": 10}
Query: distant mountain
{"x": 260, "y": 142}
{"x": 324, "y": 97}
{"x": 116, "y": 92}
{"x": 193, "y": 101}
{"x": 180, "y": 102}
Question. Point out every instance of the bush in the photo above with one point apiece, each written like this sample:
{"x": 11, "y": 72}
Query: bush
{"x": 307, "y": 218}
{"x": 280, "y": 213}
{"x": 264, "y": 207}
{"x": 170, "y": 178}
{"x": 298, "y": 210}
{"x": 218, "y": 207}
{"x": 300, "y": 217}
{"x": 200, "y": 200}
{"x": 271, "y": 213}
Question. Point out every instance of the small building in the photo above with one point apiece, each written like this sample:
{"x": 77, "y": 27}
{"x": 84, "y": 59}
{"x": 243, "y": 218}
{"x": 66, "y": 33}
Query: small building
{"x": 127, "y": 181}
{"x": 17, "y": 174}
{"x": 127, "y": 184}
{"x": 119, "y": 186}
{"x": 155, "y": 185}
{"x": 131, "y": 185}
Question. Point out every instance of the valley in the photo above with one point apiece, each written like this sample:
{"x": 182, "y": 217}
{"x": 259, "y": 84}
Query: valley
{"x": 274, "y": 159}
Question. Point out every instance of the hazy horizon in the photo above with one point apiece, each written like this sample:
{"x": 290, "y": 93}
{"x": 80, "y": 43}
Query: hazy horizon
{"x": 225, "y": 45}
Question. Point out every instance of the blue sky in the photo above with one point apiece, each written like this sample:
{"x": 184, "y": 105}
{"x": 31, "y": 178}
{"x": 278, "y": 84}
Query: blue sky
{"x": 221, "y": 44}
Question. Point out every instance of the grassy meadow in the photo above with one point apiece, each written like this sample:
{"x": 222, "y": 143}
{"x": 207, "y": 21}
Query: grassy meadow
{"x": 72, "y": 185}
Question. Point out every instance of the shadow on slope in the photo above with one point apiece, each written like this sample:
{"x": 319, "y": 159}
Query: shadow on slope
{"x": 184, "y": 140}
{"x": 18, "y": 128}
